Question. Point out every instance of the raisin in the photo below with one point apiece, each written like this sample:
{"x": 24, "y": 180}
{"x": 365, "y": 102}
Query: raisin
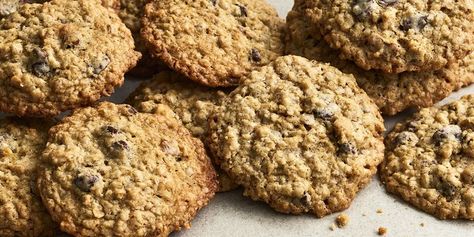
{"x": 306, "y": 199}
{"x": 447, "y": 190}
{"x": 417, "y": 22}
{"x": 243, "y": 10}
{"x": 120, "y": 145}
{"x": 255, "y": 55}
{"x": 347, "y": 148}
{"x": 41, "y": 69}
{"x": 40, "y": 66}
{"x": 111, "y": 129}
{"x": 101, "y": 65}
{"x": 406, "y": 138}
{"x": 385, "y": 3}
{"x": 131, "y": 110}
{"x": 450, "y": 132}
{"x": 86, "y": 182}
{"x": 326, "y": 113}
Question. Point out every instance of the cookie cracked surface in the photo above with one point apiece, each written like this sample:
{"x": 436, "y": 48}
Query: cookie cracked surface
{"x": 191, "y": 102}
{"x": 21, "y": 210}
{"x": 396, "y": 36}
{"x": 391, "y": 92}
{"x": 299, "y": 135}
{"x": 213, "y": 42}
{"x": 129, "y": 173}
{"x": 429, "y": 160}
{"x": 68, "y": 54}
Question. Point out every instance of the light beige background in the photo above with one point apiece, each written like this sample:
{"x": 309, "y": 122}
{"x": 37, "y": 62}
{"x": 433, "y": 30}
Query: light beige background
{"x": 231, "y": 215}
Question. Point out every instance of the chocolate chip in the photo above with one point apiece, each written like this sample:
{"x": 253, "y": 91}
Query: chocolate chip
{"x": 111, "y": 130}
{"x": 255, "y": 55}
{"x": 347, "y": 148}
{"x": 406, "y": 138}
{"x": 417, "y": 22}
{"x": 86, "y": 182}
{"x": 41, "y": 69}
{"x": 447, "y": 190}
{"x": 101, "y": 65}
{"x": 120, "y": 145}
{"x": 243, "y": 10}
{"x": 449, "y": 132}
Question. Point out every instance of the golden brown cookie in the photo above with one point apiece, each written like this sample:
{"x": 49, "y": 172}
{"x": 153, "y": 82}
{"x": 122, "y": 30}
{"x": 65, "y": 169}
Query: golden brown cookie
{"x": 394, "y": 35}
{"x": 213, "y": 42}
{"x": 192, "y": 103}
{"x": 429, "y": 160}
{"x": 299, "y": 135}
{"x": 111, "y": 171}
{"x": 61, "y": 60}
{"x": 21, "y": 210}
{"x": 391, "y": 92}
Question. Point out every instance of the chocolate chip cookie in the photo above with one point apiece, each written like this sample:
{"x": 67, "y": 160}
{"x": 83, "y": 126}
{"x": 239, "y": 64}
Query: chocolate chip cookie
{"x": 391, "y": 92}
{"x": 393, "y": 35}
{"x": 214, "y": 42}
{"x": 61, "y": 59}
{"x": 299, "y": 135}
{"x": 21, "y": 144}
{"x": 429, "y": 160}
{"x": 112, "y": 171}
{"x": 191, "y": 102}
{"x": 130, "y": 12}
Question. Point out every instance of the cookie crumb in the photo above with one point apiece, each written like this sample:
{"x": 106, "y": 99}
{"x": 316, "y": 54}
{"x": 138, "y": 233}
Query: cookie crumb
{"x": 342, "y": 220}
{"x": 379, "y": 211}
{"x": 382, "y": 231}
{"x": 332, "y": 227}
{"x": 422, "y": 224}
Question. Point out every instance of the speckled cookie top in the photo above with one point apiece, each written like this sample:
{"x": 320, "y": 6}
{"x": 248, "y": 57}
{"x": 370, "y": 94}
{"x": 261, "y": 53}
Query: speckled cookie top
{"x": 299, "y": 135}
{"x": 429, "y": 160}
{"x": 396, "y": 35}
{"x": 21, "y": 144}
{"x": 68, "y": 54}
{"x": 112, "y": 171}
{"x": 191, "y": 102}
{"x": 392, "y": 93}
{"x": 213, "y": 42}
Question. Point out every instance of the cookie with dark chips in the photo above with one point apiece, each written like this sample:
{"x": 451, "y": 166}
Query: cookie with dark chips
{"x": 112, "y": 171}
{"x": 213, "y": 42}
{"x": 429, "y": 160}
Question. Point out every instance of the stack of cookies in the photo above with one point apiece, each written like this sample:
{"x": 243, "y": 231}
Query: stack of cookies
{"x": 404, "y": 54}
{"x": 236, "y": 97}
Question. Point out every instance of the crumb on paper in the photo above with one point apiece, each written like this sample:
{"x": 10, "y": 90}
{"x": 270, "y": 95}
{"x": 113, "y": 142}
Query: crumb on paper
{"x": 363, "y": 214}
{"x": 382, "y": 231}
{"x": 422, "y": 224}
{"x": 342, "y": 220}
{"x": 379, "y": 211}
{"x": 332, "y": 227}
